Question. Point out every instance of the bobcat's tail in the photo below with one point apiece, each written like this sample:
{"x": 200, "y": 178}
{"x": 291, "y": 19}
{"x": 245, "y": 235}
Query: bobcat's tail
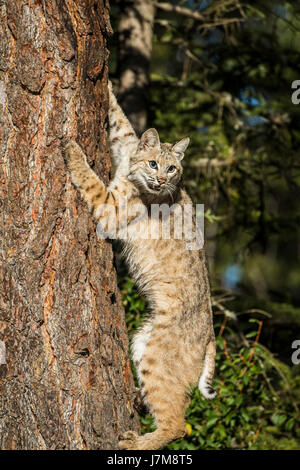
{"x": 207, "y": 373}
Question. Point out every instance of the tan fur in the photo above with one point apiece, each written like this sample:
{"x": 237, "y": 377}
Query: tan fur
{"x": 176, "y": 344}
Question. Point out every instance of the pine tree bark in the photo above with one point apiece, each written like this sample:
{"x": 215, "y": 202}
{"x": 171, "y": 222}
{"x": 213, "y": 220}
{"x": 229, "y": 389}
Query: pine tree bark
{"x": 65, "y": 379}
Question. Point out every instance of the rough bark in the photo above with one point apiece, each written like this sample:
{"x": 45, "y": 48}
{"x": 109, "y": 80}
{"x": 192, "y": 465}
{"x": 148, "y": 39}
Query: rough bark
{"x": 66, "y": 383}
{"x": 135, "y": 33}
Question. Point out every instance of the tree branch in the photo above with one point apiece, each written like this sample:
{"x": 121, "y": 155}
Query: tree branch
{"x": 196, "y": 15}
{"x": 209, "y": 162}
{"x": 182, "y": 10}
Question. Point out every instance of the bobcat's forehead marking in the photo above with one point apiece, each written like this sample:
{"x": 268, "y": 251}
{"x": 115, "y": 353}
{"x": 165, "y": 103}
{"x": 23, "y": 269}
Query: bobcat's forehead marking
{"x": 166, "y": 149}
{"x": 166, "y": 155}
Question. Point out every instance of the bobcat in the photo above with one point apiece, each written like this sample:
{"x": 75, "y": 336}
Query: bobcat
{"x": 176, "y": 344}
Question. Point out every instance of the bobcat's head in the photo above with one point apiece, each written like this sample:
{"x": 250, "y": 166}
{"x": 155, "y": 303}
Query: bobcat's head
{"x": 156, "y": 169}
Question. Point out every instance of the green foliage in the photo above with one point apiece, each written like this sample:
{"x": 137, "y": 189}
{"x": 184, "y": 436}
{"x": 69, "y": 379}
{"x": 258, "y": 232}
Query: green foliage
{"x": 248, "y": 405}
{"x": 133, "y": 303}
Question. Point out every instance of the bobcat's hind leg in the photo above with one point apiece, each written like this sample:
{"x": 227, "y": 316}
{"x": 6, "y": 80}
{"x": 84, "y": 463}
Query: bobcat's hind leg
{"x": 168, "y": 410}
{"x": 207, "y": 373}
{"x": 164, "y": 393}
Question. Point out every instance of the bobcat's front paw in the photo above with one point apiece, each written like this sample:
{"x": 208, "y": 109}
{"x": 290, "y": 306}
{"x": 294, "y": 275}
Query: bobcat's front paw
{"x": 129, "y": 441}
{"x": 72, "y": 153}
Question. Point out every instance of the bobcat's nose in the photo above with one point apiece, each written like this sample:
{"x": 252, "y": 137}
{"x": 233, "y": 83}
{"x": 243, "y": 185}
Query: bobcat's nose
{"x": 161, "y": 180}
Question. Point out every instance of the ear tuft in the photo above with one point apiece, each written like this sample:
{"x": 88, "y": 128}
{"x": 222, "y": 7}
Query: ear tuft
{"x": 149, "y": 140}
{"x": 180, "y": 147}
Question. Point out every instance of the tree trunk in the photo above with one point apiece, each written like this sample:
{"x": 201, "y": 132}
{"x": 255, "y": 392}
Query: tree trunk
{"x": 135, "y": 32}
{"x": 66, "y": 381}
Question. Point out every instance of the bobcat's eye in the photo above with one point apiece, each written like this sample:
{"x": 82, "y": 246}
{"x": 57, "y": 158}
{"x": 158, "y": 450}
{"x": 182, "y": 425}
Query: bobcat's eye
{"x": 152, "y": 164}
{"x": 171, "y": 169}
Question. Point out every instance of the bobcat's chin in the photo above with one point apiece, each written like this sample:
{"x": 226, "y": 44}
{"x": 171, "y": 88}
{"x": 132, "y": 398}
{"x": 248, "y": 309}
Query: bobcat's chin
{"x": 161, "y": 192}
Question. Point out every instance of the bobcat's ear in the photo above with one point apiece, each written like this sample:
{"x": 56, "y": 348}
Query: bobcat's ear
{"x": 180, "y": 147}
{"x": 149, "y": 140}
